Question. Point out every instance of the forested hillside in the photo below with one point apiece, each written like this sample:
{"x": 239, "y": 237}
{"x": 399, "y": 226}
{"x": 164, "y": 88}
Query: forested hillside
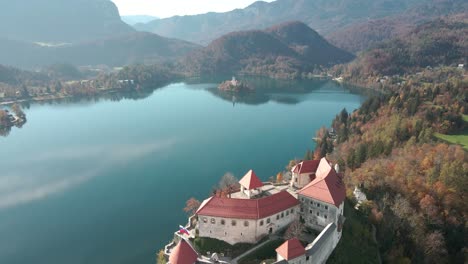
{"x": 288, "y": 50}
{"x": 138, "y": 47}
{"x": 363, "y": 35}
{"x": 325, "y": 16}
{"x": 390, "y": 147}
{"x": 434, "y": 43}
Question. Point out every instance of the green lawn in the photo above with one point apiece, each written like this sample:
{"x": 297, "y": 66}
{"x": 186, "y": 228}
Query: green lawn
{"x": 465, "y": 118}
{"x": 356, "y": 244}
{"x": 266, "y": 253}
{"x": 461, "y": 139}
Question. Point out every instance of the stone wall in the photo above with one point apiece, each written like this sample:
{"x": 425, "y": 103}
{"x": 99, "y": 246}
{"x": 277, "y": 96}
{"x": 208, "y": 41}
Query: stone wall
{"x": 321, "y": 248}
{"x": 244, "y": 230}
{"x": 317, "y": 214}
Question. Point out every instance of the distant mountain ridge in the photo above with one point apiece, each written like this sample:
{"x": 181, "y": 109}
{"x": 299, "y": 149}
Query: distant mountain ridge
{"x": 325, "y": 16}
{"x": 37, "y": 33}
{"x": 285, "y": 51}
{"x": 133, "y": 20}
{"x": 67, "y": 21}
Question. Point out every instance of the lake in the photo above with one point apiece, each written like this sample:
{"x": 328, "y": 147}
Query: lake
{"x": 105, "y": 180}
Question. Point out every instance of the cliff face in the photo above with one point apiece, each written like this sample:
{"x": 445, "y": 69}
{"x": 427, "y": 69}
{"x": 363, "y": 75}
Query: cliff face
{"x": 60, "y": 20}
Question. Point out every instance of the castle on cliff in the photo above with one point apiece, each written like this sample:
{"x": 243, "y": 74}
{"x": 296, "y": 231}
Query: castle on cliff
{"x": 314, "y": 195}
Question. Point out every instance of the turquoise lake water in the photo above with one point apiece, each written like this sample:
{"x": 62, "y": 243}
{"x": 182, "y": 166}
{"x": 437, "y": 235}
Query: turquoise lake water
{"x": 105, "y": 180}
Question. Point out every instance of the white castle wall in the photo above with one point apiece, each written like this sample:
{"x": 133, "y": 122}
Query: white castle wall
{"x": 241, "y": 232}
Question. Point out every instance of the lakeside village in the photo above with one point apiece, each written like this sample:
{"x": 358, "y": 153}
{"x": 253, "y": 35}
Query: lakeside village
{"x": 259, "y": 212}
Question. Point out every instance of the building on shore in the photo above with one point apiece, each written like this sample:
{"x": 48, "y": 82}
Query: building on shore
{"x": 247, "y": 218}
{"x": 315, "y": 195}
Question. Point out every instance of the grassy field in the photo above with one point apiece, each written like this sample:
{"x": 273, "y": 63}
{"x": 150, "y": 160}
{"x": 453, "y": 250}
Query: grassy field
{"x": 461, "y": 139}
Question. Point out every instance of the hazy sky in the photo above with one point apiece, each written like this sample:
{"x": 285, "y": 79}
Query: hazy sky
{"x": 168, "y": 8}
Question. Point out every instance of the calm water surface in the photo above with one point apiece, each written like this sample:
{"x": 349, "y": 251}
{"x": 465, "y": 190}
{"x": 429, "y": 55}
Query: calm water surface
{"x": 103, "y": 181}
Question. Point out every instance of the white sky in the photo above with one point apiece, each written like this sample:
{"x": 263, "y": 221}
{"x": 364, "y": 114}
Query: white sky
{"x": 168, "y": 8}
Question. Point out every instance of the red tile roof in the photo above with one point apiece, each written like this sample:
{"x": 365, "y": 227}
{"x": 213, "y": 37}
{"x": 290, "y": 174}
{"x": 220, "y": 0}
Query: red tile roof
{"x": 183, "y": 253}
{"x": 307, "y": 166}
{"x": 327, "y": 187}
{"x": 247, "y": 208}
{"x": 291, "y": 249}
{"x": 251, "y": 181}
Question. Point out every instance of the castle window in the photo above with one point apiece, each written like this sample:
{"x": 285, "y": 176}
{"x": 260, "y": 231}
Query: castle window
{"x": 310, "y": 211}
{"x": 205, "y": 220}
{"x": 268, "y": 220}
{"x": 311, "y": 202}
{"x": 326, "y": 207}
{"x": 233, "y": 223}
{"x": 282, "y": 214}
{"x": 302, "y": 210}
{"x": 223, "y": 222}
{"x": 325, "y": 216}
{"x": 318, "y": 214}
{"x": 292, "y": 211}
{"x": 318, "y": 205}
{"x": 246, "y": 223}
{"x": 307, "y": 258}
{"x": 213, "y": 221}
{"x": 261, "y": 222}
{"x": 287, "y": 213}
{"x": 277, "y": 217}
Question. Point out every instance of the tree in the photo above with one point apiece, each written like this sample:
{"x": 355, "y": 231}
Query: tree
{"x": 344, "y": 116}
{"x": 161, "y": 258}
{"x": 291, "y": 164}
{"x": 279, "y": 177}
{"x": 191, "y": 206}
{"x": 228, "y": 181}
{"x": 434, "y": 248}
{"x": 294, "y": 230}
{"x": 25, "y": 92}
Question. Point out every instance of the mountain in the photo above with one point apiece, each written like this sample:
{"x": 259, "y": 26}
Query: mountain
{"x": 441, "y": 41}
{"x": 325, "y": 16}
{"x": 361, "y": 36}
{"x": 283, "y": 51}
{"x": 138, "y": 47}
{"x": 15, "y": 77}
{"x": 133, "y": 20}
{"x": 60, "y": 21}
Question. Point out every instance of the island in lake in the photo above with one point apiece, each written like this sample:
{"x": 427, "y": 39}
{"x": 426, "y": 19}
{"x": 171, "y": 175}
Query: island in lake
{"x": 234, "y": 86}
